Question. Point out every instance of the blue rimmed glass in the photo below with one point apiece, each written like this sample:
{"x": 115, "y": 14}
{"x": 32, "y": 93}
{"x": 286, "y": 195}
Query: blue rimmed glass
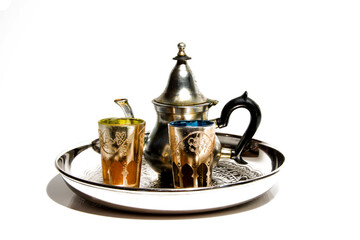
{"x": 192, "y": 149}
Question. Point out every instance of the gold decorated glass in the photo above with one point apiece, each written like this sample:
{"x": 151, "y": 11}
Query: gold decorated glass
{"x": 121, "y": 147}
{"x": 192, "y": 149}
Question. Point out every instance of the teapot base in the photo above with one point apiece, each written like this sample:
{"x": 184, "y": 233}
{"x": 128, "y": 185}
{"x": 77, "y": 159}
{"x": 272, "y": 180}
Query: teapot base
{"x": 159, "y": 164}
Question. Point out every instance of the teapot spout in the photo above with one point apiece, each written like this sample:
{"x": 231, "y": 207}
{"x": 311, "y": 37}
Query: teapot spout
{"x": 123, "y": 103}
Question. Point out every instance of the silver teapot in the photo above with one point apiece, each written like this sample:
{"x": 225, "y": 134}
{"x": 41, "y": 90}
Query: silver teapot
{"x": 182, "y": 100}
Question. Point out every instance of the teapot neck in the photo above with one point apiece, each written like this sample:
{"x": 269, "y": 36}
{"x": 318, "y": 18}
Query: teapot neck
{"x": 182, "y": 110}
{"x": 167, "y": 113}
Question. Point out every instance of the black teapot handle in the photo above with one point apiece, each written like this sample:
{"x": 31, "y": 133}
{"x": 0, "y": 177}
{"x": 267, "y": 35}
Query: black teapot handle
{"x": 255, "y": 117}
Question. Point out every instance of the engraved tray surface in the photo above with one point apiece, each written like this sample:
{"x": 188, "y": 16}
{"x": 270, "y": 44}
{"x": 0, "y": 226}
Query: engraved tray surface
{"x": 232, "y": 183}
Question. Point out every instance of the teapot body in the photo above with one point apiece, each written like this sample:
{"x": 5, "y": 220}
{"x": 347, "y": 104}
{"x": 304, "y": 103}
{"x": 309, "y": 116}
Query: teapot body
{"x": 157, "y": 151}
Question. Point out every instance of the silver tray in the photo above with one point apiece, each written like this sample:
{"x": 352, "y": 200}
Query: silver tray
{"x": 232, "y": 183}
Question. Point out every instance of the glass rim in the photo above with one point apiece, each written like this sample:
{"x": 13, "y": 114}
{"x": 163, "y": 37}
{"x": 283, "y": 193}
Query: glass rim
{"x": 192, "y": 123}
{"x": 121, "y": 121}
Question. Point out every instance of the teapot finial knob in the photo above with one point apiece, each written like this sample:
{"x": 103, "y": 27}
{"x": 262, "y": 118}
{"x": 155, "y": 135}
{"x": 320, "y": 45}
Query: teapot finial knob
{"x": 181, "y": 47}
{"x": 181, "y": 54}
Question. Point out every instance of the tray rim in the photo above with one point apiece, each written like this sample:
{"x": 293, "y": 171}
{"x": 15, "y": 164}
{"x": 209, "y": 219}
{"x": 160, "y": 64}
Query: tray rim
{"x": 84, "y": 147}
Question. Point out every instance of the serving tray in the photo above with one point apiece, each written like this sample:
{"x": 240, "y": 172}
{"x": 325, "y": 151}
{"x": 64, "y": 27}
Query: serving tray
{"x": 232, "y": 183}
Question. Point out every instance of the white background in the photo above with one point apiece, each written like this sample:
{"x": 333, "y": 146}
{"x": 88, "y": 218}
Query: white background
{"x": 62, "y": 63}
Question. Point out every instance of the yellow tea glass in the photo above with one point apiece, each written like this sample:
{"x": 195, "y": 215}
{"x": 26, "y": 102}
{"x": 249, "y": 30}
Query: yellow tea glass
{"x": 121, "y": 147}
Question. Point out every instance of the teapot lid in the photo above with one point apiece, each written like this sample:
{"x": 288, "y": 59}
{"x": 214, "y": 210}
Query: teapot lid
{"x": 181, "y": 89}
